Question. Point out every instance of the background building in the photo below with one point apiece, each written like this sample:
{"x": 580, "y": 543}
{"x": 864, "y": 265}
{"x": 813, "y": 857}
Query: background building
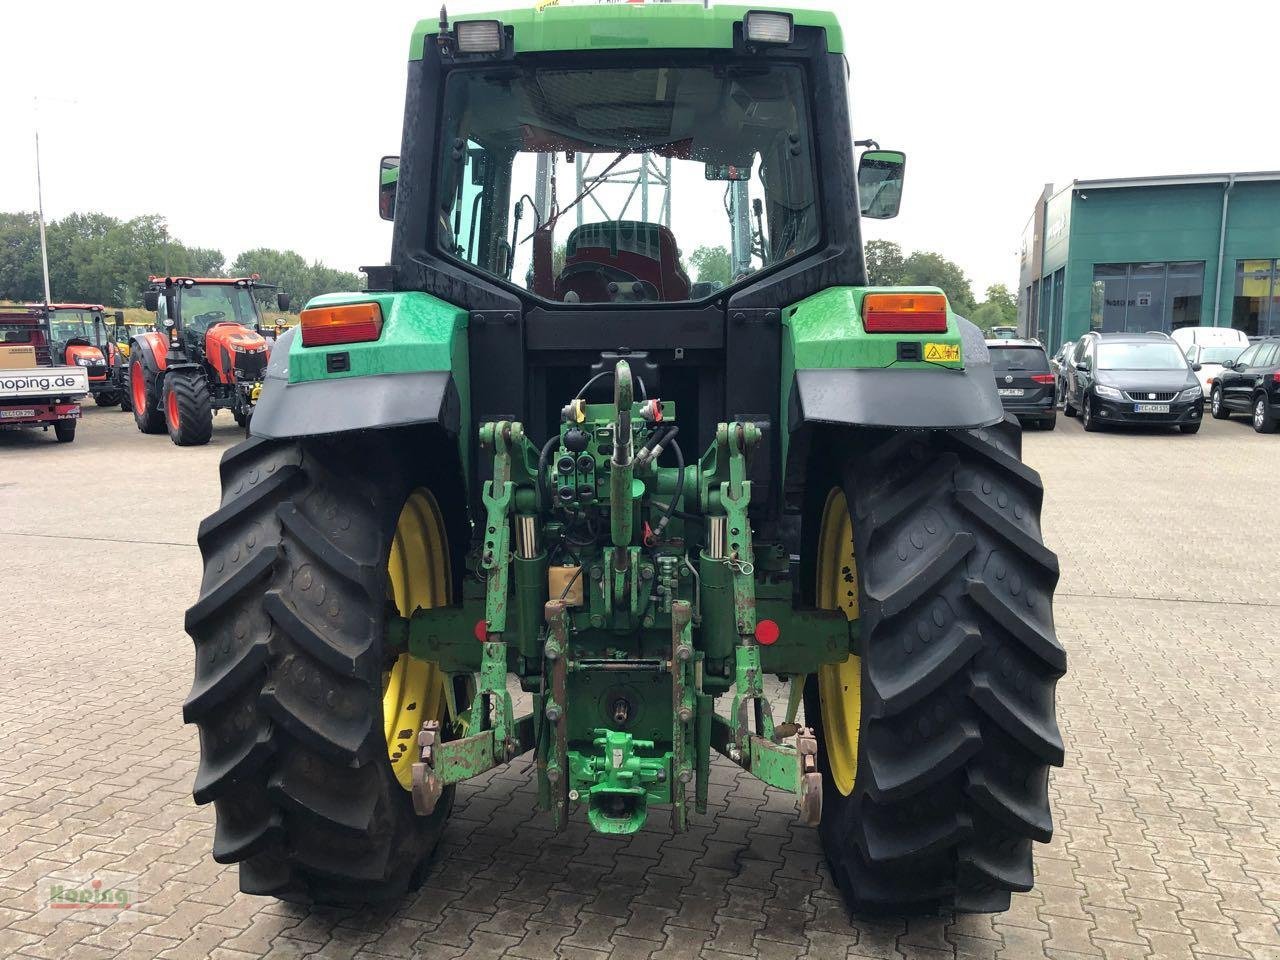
{"x": 1152, "y": 253}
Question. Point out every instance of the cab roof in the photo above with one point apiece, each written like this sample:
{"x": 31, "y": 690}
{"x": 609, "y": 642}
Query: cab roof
{"x": 68, "y": 306}
{"x": 547, "y": 27}
{"x": 239, "y": 281}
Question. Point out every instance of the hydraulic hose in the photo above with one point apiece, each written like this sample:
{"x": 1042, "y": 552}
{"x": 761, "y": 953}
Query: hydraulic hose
{"x": 679, "y": 490}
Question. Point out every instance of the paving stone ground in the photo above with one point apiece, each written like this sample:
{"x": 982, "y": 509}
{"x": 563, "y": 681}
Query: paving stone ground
{"x": 1167, "y": 813}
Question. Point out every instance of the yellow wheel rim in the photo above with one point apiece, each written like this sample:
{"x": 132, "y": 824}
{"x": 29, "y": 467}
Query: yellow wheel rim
{"x": 421, "y": 576}
{"x": 839, "y": 684}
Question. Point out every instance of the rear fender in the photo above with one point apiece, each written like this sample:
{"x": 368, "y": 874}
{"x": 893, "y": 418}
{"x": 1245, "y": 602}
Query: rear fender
{"x": 841, "y": 377}
{"x": 415, "y": 373}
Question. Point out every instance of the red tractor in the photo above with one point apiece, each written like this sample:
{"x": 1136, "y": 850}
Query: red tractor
{"x": 76, "y": 335}
{"x": 204, "y": 355}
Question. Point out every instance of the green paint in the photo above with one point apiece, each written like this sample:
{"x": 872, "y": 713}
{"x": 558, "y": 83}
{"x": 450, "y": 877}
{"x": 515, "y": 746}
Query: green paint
{"x": 626, "y": 26}
{"x": 825, "y": 331}
{"x": 617, "y": 779}
{"x": 419, "y": 333}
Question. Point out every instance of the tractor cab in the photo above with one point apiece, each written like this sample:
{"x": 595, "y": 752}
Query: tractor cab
{"x": 212, "y": 322}
{"x": 75, "y": 332}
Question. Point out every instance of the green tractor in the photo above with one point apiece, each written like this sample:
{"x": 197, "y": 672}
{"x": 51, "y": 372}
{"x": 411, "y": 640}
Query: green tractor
{"x": 763, "y": 511}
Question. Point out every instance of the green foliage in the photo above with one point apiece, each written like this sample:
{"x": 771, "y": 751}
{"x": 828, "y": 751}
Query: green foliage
{"x": 292, "y": 275}
{"x": 923, "y": 268}
{"x": 95, "y": 258}
{"x": 710, "y": 264}
{"x": 885, "y": 263}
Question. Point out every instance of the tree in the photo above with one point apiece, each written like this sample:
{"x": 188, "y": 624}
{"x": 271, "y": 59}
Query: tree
{"x": 292, "y": 275}
{"x": 927, "y": 269}
{"x": 711, "y": 264}
{"x": 885, "y": 263}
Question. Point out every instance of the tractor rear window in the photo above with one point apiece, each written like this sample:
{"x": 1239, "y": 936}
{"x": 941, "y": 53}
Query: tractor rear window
{"x": 627, "y": 184}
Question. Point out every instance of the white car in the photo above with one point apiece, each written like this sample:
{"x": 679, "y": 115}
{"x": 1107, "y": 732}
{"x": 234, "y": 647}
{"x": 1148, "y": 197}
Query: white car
{"x": 1211, "y": 357}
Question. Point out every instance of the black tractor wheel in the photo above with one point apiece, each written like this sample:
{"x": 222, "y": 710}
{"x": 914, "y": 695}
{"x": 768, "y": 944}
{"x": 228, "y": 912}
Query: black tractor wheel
{"x": 106, "y": 398}
{"x": 188, "y": 414}
{"x": 935, "y": 742}
{"x": 144, "y": 392}
{"x": 65, "y": 430}
{"x": 307, "y": 725}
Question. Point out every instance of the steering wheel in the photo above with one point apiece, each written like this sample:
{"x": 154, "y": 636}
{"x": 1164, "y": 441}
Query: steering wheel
{"x": 213, "y": 316}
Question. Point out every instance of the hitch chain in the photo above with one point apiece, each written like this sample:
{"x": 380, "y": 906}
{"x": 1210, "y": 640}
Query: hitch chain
{"x": 427, "y": 787}
{"x": 810, "y": 812}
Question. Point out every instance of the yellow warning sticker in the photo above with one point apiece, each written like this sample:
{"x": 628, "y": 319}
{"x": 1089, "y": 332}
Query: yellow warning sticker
{"x": 936, "y": 352}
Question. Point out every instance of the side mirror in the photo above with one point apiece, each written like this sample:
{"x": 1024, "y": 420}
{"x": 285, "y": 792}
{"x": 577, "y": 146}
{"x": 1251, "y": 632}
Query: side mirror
{"x": 1228, "y": 364}
{"x": 388, "y": 181}
{"x": 282, "y": 301}
{"x": 1196, "y": 367}
{"x": 151, "y": 299}
{"x": 1081, "y": 365}
{"x": 880, "y": 175}
{"x": 119, "y": 315}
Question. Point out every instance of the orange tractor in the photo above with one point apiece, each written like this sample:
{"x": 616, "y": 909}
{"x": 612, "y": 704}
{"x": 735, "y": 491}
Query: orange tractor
{"x": 75, "y": 331}
{"x": 204, "y": 355}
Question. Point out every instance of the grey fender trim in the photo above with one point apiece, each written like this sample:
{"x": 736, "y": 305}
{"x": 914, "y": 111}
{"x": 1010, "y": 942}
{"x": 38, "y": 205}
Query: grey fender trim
{"x": 901, "y": 398}
{"x": 318, "y": 407}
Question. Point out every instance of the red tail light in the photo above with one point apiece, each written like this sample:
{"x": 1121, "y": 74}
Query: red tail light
{"x": 346, "y": 323}
{"x": 1042, "y": 377}
{"x": 904, "y": 313}
{"x": 1275, "y": 377}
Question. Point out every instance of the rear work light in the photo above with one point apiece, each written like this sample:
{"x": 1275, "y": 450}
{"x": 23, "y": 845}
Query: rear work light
{"x": 346, "y": 323}
{"x": 479, "y": 36}
{"x": 904, "y": 313}
{"x": 1042, "y": 377}
{"x": 763, "y": 27}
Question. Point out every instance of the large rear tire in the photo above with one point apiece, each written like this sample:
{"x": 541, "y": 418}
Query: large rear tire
{"x": 106, "y": 398}
{"x": 145, "y": 395}
{"x": 935, "y": 743}
{"x": 187, "y": 411}
{"x": 301, "y": 563}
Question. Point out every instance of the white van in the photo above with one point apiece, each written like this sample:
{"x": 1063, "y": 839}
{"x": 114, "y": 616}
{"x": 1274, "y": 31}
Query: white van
{"x": 1210, "y": 347}
{"x": 1215, "y": 336}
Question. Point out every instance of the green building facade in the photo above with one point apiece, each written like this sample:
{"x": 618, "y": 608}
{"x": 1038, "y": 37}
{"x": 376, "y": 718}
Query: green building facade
{"x": 1152, "y": 253}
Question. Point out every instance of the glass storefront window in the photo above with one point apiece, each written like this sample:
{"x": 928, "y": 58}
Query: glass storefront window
{"x": 1256, "y": 308}
{"x": 1184, "y": 292}
{"x": 1111, "y": 284}
{"x": 1140, "y": 297}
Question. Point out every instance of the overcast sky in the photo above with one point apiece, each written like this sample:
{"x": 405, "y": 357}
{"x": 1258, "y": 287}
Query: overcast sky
{"x": 261, "y": 124}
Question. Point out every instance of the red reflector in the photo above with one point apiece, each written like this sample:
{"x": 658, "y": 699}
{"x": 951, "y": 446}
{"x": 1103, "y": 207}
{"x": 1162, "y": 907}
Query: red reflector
{"x": 1042, "y": 377}
{"x": 904, "y": 313}
{"x": 481, "y": 630}
{"x": 1275, "y": 377}
{"x": 346, "y": 323}
{"x": 767, "y": 633}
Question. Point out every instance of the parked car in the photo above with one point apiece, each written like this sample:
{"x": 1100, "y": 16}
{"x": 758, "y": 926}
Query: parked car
{"x": 1133, "y": 379}
{"x": 1209, "y": 337}
{"x": 1250, "y": 384}
{"x": 1024, "y": 381}
{"x": 1207, "y": 360}
{"x": 1058, "y": 363}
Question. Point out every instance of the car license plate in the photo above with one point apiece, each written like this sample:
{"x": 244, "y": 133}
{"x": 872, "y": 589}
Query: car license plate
{"x": 15, "y": 414}
{"x": 1011, "y": 392}
{"x": 1150, "y": 408}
